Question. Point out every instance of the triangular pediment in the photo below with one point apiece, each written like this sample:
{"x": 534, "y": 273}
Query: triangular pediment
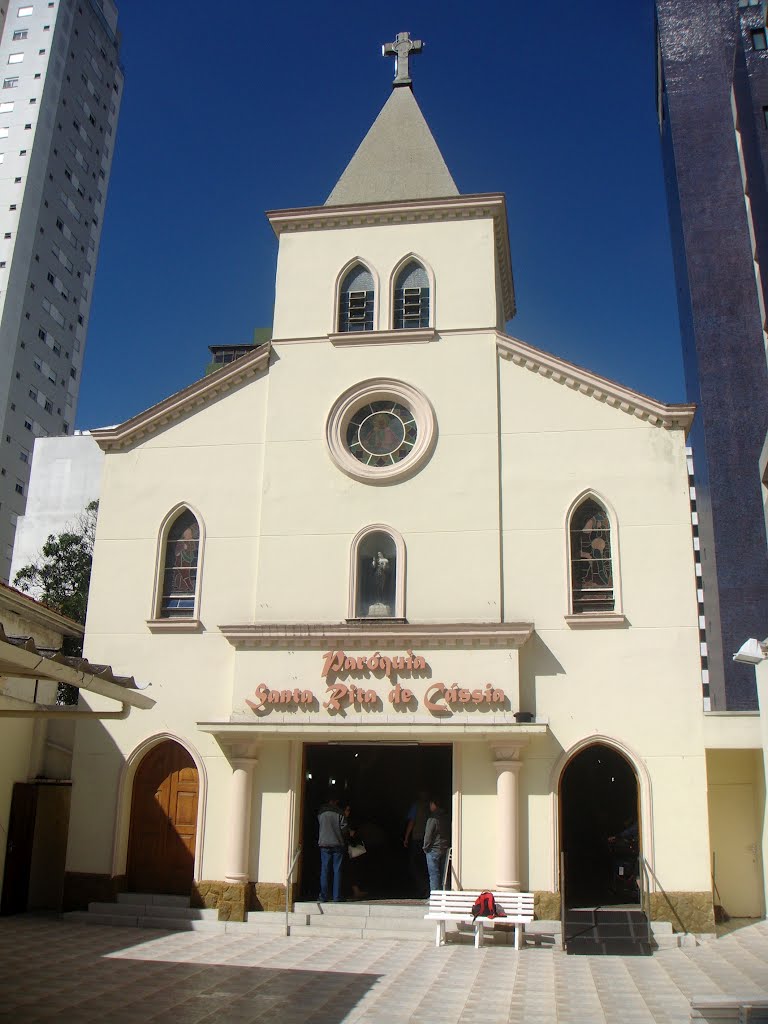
{"x": 183, "y": 402}
{"x": 591, "y": 385}
{"x": 398, "y": 159}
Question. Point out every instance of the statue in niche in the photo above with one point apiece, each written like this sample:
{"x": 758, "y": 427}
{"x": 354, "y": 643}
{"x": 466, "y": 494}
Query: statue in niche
{"x": 379, "y": 572}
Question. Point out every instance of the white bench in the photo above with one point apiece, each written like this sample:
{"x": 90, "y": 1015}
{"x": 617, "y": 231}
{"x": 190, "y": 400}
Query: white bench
{"x": 446, "y": 906}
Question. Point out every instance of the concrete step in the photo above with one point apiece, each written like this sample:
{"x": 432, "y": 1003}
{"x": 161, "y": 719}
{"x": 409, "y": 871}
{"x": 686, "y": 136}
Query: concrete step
{"x": 400, "y": 912}
{"x": 148, "y": 899}
{"x": 334, "y": 909}
{"x": 187, "y": 913}
{"x": 180, "y": 924}
{"x": 406, "y": 926}
{"x": 116, "y": 909}
{"x": 334, "y": 923}
{"x": 274, "y": 918}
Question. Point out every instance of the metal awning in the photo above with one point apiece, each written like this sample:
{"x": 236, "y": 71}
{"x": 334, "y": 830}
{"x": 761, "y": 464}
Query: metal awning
{"x": 20, "y": 658}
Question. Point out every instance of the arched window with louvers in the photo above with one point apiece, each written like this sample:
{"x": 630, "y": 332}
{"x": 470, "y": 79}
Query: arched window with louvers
{"x": 411, "y": 297}
{"x": 357, "y": 294}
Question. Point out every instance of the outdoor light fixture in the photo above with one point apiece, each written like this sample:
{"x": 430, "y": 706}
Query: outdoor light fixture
{"x": 752, "y": 652}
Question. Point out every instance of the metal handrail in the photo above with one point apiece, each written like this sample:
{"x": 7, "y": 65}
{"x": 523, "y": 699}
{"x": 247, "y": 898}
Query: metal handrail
{"x": 660, "y": 887}
{"x": 288, "y": 878}
{"x": 644, "y": 884}
{"x": 448, "y": 860}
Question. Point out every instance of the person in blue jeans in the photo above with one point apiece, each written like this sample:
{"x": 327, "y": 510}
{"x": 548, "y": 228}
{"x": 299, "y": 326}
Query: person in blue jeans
{"x": 437, "y": 839}
{"x": 333, "y": 833}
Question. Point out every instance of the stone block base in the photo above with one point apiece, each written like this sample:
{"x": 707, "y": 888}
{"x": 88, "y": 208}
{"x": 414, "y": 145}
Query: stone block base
{"x": 687, "y": 911}
{"x": 546, "y": 905}
{"x": 234, "y": 900}
{"x": 269, "y": 896}
{"x": 231, "y": 899}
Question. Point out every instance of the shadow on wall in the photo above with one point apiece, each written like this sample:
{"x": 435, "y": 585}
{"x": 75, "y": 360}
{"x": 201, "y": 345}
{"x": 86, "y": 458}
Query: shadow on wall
{"x": 536, "y": 659}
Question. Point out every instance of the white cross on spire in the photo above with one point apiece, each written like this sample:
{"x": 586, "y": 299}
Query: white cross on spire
{"x": 401, "y": 50}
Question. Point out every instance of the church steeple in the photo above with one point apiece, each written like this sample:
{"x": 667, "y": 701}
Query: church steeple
{"x": 398, "y": 159}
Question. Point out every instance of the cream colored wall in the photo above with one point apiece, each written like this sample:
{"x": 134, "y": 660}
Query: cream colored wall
{"x": 460, "y": 253}
{"x": 279, "y": 517}
{"x": 736, "y": 814}
{"x": 312, "y": 510}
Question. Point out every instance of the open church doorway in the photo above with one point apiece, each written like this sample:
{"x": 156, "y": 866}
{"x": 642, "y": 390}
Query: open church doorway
{"x": 380, "y": 783}
{"x": 600, "y": 829}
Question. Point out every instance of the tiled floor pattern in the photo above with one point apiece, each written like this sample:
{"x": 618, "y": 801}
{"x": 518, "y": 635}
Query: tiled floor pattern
{"x": 52, "y": 970}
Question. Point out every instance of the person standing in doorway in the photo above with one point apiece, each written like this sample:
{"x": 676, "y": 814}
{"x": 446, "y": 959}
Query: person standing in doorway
{"x": 437, "y": 839}
{"x": 333, "y": 832}
{"x": 413, "y": 841}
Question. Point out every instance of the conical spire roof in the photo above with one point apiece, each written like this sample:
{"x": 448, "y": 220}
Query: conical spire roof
{"x": 397, "y": 160}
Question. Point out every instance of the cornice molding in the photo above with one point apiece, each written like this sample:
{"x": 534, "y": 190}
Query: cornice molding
{"x": 381, "y": 633}
{"x": 593, "y": 386}
{"x": 184, "y": 401}
{"x": 412, "y": 211}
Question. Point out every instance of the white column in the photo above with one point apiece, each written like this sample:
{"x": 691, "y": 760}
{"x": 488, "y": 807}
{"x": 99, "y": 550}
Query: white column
{"x": 241, "y": 790}
{"x": 508, "y": 764}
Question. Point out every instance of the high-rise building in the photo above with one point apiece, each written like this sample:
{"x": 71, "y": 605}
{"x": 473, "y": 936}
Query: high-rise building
{"x": 713, "y": 115}
{"x": 60, "y": 89}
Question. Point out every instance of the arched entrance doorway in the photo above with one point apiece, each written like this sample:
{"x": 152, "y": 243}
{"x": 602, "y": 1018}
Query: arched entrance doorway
{"x": 599, "y": 828}
{"x": 161, "y": 845}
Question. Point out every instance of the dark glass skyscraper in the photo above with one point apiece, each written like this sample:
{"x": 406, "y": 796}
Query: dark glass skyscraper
{"x": 713, "y": 114}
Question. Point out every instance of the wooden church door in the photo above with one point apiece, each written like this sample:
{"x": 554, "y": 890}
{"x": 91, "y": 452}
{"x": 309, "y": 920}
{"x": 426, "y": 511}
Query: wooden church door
{"x": 161, "y": 847}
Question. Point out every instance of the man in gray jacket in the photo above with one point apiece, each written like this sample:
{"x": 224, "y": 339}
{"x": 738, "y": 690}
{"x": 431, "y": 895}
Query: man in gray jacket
{"x": 437, "y": 839}
{"x": 332, "y": 840}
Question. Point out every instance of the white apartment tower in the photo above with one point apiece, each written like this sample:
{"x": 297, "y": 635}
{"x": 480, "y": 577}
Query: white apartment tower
{"x": 60, "y": 89}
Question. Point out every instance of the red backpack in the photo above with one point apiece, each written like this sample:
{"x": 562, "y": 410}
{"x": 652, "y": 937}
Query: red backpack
{"x": 486, "y": 906}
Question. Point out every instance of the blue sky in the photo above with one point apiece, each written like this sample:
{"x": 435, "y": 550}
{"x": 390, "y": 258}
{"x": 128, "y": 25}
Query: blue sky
{"x": 233, "y": 109}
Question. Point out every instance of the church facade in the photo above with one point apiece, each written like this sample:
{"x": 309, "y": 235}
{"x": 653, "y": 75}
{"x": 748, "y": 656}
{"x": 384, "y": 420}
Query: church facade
{"x": 395, "y": 550}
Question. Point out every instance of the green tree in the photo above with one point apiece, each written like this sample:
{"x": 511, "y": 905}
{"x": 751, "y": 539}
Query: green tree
{"x": 61, "y": 574}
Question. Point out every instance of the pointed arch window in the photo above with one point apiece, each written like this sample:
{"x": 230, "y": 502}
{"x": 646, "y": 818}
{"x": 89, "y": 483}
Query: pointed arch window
{"x": 411, "y": 307}
{"x": 356, "y": 297}
{"x": 180, "y": 564}
{"x": 592, "y": 580}
{"x": 377, "y": 583}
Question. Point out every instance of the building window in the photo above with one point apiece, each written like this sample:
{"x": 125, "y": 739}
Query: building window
{"x": 15, "y": 58}
{"x": 377, "y": 574}
{"x": 20, "y": 33}
{"x": 356, "y": 301}
{"x": 6, "y": 108}
{"x": 765, "y": 116}
{"x": 19, "y": 487}
{"x": 10, "y": 83}
{"x": 749, "y": 3}
{"x": 179, "y": 581}
{"x": 591, "y": 560}
{"x": 25, "y": 12}
{"x": 759, "y": 41}
{"x": 411, "y": 309}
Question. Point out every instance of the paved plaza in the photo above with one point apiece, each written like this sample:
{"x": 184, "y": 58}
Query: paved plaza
{"x": 53, "y": 970}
